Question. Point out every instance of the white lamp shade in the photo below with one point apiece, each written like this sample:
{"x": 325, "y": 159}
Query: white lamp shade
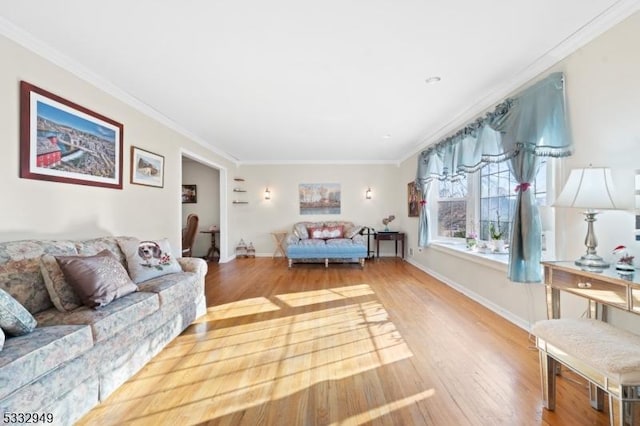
{"x": 590, "y": 188}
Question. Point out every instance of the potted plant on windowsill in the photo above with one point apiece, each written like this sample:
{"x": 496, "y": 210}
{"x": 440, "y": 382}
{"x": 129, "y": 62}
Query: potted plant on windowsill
{"x": 496, "y": 236}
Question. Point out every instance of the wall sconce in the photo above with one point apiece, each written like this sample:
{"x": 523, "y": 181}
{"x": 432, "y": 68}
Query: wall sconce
{"x": 367, "y": 194}
{"x": 267, "y": 194}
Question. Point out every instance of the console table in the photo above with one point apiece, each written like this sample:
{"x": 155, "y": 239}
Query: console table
{"x": 601, "y": 289}
{"x": 389, "y": 236}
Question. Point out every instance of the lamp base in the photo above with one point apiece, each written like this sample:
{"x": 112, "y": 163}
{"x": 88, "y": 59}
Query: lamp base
{"x": 592, "y": 261}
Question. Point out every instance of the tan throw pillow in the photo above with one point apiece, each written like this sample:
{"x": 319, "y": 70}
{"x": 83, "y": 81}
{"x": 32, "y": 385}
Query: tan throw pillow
{"x": 98, "y": 280}
{"x": 148, "y": 259}
{"x": 15, "y": 320}
{"x": 63, "y": 296}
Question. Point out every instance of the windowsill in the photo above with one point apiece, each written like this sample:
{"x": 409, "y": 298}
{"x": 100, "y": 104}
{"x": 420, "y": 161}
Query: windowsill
{"x": 498, "y": 261}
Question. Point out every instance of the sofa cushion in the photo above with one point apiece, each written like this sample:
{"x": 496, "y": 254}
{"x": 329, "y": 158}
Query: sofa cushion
{"x": 63, "y": 296}
{"x": 14, "y": 318}
{"x": 148, "y": 259}
{"x": 25, "y": 358}
{"x": 106, "y": 321}
{"x": 174, "y": 288}
{"x": 20, "y": 270}
{"x": 96, "y": 245}
{"x": 98, "y": 279}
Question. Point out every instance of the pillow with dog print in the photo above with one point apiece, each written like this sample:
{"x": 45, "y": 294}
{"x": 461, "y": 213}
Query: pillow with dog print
{"x": 148, "y": 259}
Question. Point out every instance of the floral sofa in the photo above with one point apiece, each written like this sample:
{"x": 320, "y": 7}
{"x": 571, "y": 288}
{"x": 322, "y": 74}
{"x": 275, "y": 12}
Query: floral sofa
{"x": 326, "y": 241}
{"x": 77, "y": 355}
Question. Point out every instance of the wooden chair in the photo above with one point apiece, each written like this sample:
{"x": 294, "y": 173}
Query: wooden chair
{"x": 189, "y": 235}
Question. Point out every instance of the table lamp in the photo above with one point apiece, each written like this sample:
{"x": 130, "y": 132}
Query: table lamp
{"x": 591, "y": 189}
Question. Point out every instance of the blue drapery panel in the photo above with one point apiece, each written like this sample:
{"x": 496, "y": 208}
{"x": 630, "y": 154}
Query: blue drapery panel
{"x": 532, "y": 124}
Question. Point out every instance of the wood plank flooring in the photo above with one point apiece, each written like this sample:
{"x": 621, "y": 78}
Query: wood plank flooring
{"x": 383, "y": 345}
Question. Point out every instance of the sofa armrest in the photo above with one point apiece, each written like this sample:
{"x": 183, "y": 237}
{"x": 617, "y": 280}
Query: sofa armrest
{"x": 193, "y": 264}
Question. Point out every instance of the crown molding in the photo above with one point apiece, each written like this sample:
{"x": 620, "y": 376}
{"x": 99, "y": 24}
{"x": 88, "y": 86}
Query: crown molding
{"x": 588, "y": 32}
{"x": 40, "y": 48}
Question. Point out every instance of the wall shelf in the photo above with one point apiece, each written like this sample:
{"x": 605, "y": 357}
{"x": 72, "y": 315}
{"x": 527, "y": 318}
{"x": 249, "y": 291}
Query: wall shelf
{"x": 240, "y": 202}
{"x": 239, "y": 190}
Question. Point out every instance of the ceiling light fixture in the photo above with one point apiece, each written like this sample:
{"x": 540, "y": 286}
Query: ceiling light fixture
{"x": 433, "y": 79}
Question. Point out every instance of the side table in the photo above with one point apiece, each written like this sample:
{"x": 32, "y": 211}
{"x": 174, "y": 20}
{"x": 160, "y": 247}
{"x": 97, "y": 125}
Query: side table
{"x": 211, "y": 254}
{"x": 389, "y": 236}
{"x": 279, "y": 237}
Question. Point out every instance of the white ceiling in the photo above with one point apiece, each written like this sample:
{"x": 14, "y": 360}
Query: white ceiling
{"x": 289, "y": 81}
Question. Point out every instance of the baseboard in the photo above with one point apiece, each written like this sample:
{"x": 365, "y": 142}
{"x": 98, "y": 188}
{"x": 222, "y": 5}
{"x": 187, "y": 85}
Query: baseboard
{"x": 509, "y": 316}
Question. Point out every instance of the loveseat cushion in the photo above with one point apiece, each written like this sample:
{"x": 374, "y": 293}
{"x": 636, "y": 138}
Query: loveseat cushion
{"x": 106, "y": 321}
{"x": 25, "y": 358}
{"x": 14, "y": 318}
{"x": 20, "y": 270}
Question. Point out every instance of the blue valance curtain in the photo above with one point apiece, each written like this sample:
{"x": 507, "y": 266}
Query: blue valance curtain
{"x": 521, "y": 129}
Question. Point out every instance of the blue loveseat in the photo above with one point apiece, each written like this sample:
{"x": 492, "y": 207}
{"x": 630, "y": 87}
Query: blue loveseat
{"x": 326, "y": 241}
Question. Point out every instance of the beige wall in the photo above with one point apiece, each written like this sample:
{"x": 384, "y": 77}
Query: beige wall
{"x": 603, "y": 98}
{"x": 39, "y": 209}
{"x": 255, "y": 221}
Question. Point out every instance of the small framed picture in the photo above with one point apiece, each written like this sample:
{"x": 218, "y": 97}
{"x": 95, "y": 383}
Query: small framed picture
{"x": 147, "y": 168}
{"x": 414, "y": 198}
{"x": 189, "y": 194}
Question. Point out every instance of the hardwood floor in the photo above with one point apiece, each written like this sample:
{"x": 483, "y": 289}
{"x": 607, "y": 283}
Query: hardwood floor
{"x": 383, "y": 345}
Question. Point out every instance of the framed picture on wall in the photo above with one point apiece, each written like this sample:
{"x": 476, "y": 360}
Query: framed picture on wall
{"x": 413, "y": 198}
{"x": 189, "y": 194}
{"x": 61, "y": 141}
{"x": 147, "y": 168}
{"x": 319, "y": 198}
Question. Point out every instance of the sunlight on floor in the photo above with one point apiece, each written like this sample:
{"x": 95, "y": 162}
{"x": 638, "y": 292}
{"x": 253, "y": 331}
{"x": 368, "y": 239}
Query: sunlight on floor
{"x": 223, "y": 370}
{"x": 385, "y": 409}
{"x": 244, "y": 307}
{"x": 328, "y": 295}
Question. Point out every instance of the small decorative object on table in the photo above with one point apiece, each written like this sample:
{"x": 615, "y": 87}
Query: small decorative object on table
{"x": 624, "y": 265}
{"x": 386, "y": 221}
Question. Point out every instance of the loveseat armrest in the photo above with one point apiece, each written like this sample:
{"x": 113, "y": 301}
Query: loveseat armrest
{"x": 291, "y": 238}
{"x": 193, "y": 264}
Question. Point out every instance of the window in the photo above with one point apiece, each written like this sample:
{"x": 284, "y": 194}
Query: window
{"x": 452, "y": 208}
{"x": 498, "y": 196}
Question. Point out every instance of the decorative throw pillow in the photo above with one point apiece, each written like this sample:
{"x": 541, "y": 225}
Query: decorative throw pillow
{"x": 332, "y": 232}
{"x": 63, "y": 296}
{"x": 148, "y": 259}
{"x": 315, "y": 232}
{"x": 300, "y": 230}
{"x": 98, "y": 280}
{"x": 15, "y": 320}
{"x": 353, "y": 231}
